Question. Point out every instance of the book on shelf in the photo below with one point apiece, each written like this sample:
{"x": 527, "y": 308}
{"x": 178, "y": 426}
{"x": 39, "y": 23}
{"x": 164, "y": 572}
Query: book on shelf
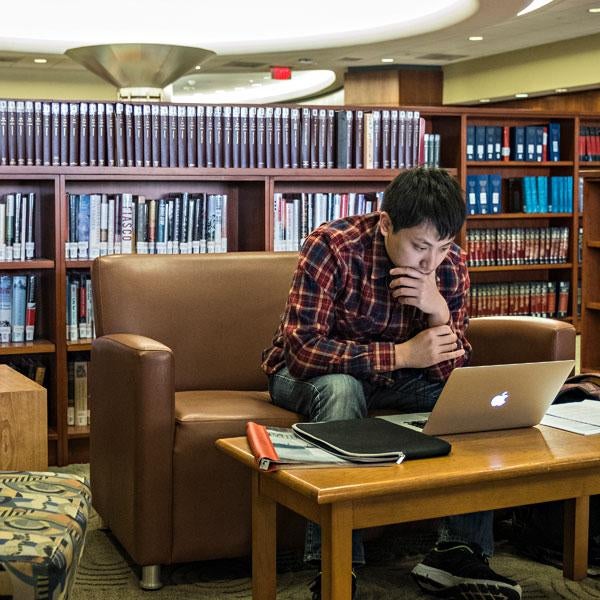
{"x": 18, "y": 293}
{"x": 155, "y": 138}
{"x": 520, "y": 298}
{"x": 77, "y": 391}
{"x": 17, "y": 226}
{"x": 191, "y": 146}
{"x": 139, "y": 132}
{"x": 164, "y": 136}
{"x": 517, "y": 246}
{"x": 297, "y": 214}
{"x": 182, "y": 146}
{"x": 125, "y": 134}
{"x": 80, "y": 315}
{"x": 92, "y": 134}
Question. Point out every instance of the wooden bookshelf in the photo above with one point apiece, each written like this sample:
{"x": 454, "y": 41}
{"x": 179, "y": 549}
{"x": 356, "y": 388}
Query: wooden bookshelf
{"x": 590, "y": 301}
{"x": 251, "y": 228}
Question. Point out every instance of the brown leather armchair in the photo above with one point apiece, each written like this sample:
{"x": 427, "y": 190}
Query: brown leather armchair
{"x": 176, "y": 366}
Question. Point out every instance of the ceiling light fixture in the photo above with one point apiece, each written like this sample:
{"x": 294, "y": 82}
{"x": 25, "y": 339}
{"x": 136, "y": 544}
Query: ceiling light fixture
{"x": 387, "y": 60}
{"x": 594, "y": 11}
{"x": 534, "y": 5}
{"x": 560, "y": 90}
{"x": 521, "y": 95}
{"x": 40, "y": 61}
{"x": 197, "y": 67}
{"x": 475, "y": 38}
{"x": 484, "y": 100}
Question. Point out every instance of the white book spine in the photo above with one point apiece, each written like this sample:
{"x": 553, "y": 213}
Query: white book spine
{"x": 89, "y": 309}
{"x": 72, "y": 321}
{"x": 111, "y": 226}
{"x": 127, "y": 224}
{"x": 95, "y": 224}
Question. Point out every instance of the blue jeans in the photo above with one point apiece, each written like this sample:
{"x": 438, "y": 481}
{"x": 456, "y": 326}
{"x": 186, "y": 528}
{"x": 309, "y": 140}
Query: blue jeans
{"x": 339, "y": 396}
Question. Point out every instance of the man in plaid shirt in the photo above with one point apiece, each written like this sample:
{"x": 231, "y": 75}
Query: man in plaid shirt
{"x": 376, "y": 318}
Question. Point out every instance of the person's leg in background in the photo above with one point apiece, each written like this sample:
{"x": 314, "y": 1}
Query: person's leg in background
{"x": 326, "y": 398}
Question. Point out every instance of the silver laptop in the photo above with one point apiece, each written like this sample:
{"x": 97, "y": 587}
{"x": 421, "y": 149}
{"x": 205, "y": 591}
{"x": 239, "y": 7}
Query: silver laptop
{"x": 491, "y": 397}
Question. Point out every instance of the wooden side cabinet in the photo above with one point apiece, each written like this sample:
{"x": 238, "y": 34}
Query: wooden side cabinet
{"x": 23, "y": 423}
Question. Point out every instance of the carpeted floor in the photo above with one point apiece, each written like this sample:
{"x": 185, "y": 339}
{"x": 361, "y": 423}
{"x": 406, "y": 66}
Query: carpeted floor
{"x": 105, "y": 573}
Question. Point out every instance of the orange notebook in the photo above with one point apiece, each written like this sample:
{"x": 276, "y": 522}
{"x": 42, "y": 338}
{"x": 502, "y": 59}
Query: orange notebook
{"x": 261, "y": 445}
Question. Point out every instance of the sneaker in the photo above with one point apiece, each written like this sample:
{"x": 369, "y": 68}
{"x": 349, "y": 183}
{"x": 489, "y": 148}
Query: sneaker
{"x": 455, "y": 570}
{"x": 315, "y": 586}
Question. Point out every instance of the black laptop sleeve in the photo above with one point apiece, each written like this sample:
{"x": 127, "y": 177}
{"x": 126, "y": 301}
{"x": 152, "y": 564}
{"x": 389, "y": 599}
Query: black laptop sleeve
{"x": 371, "y": 440}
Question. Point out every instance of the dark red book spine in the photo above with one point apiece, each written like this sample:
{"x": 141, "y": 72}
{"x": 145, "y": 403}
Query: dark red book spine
{"x": 93, "y": 134}
{"x": 192, "y": 145}
{"x": 29, "y": 133}
{"x": 181, "y": 136}
{"x": 83, "y": 134}
{"x": 46, "y": 134}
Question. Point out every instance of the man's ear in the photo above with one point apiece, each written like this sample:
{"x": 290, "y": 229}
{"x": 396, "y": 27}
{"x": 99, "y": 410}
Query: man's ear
{"x": 385, "y": 223}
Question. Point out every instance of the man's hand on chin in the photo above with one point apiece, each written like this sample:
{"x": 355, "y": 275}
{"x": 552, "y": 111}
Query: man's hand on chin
{"x": 415, "y": 288}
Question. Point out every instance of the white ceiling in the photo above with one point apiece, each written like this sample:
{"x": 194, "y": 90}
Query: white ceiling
{"x": 495, "y": 20}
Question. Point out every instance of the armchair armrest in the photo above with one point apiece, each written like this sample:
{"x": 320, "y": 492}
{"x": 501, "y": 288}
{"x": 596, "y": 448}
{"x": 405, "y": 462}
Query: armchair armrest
{"x": 132, "y": 389}
{"x": 501, "y": 340}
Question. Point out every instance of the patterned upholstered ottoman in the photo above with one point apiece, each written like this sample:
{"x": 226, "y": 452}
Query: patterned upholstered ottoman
{"x": 43, "y": 519}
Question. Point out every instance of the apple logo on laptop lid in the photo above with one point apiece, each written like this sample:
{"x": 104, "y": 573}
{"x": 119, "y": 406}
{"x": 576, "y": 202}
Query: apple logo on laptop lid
{"x": 499, "y": 399}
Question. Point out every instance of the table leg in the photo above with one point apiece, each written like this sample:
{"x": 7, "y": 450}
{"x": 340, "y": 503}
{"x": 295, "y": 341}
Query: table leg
{"x": 264, "y": 575}
{"x": 336, "y": 551}
{"x": 576, "y": 532}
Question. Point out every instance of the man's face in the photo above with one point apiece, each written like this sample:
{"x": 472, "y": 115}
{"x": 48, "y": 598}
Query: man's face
{"x": 416, "y": 247}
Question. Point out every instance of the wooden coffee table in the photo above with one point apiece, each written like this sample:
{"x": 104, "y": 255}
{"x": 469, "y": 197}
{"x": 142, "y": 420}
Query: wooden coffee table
{"x": 484, "y": 471}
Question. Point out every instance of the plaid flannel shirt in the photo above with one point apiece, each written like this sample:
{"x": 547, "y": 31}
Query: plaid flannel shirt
{"x": 340, "y": 316}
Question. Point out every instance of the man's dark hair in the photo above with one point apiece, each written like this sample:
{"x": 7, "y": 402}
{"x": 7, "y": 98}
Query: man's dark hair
{"x": 423, "y": 195}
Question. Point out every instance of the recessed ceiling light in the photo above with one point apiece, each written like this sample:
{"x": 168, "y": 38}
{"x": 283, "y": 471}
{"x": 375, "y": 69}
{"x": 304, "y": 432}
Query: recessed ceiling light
{"x": 560, "y": 90}
{"x": 387, "y": 60}
{"x": 594, "y": 11}
{"x": 484, "y": 100}
{"x": 533, "y": 5}
{"x": 475, "y": 38}
{"x": 197, "y": 67}
{"x": 521, "y": 95}
{"x": 40, "y": 61}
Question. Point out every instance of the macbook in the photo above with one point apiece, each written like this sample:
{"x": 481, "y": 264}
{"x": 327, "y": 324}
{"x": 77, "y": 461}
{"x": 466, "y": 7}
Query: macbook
{"x": 491, "y": 397}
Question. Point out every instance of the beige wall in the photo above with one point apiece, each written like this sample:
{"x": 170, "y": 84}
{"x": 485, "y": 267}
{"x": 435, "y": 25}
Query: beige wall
{"x": 570, "y": 64}
{"x": 67, "y": 84}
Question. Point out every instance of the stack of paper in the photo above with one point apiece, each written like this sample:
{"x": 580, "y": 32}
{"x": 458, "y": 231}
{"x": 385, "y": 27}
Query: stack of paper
{"x": 579, "y": 417}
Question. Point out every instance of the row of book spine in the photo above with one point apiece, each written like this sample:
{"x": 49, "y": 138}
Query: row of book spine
{"x": 121, "y": 134}
{"x": 17, "y": 226}
{"x": 535, "y": 298}
{"x": 589, "y": 143}
{"x": 80, "y": 307}
{"x": 18, "y": 307}
{"x": 78, "y": 411}
{"x": 540, "y": 194}
{"x": 517, "y": 246}
{"x": 484, "y": 194}
{"x": 533, "y": 143}
{"x": 186, "y": 223}
{"x": 297, "y": 214}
